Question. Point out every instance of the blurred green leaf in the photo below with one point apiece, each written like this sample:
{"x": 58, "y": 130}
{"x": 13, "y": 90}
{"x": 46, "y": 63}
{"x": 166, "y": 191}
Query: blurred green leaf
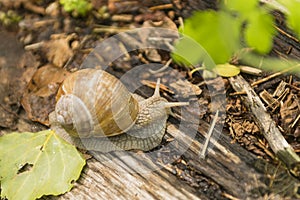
{"x": 293, "y": 15}
{"x": 260, "y": 31}
{"x": 241, "y": 6}
{"x": 189, "y": 52}
{"x": 37, "y": 164}
{"x": 217, "y": 32}
{"x": 237, "y": 25}
{"x": 76, "y": 7}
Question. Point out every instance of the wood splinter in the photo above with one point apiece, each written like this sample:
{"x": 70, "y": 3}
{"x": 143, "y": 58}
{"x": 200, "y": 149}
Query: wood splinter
{"x": 204, "y": 149}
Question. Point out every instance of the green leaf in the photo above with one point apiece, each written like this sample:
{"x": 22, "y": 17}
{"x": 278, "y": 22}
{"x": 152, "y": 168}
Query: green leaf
{"x": 241, "y": 6}
{"x": 78, "y": 7}
{"x": 226, "y": 70}
{"x": 217, "y": 32}
{"x": 189, "y": 52}
{"x": 260, "y": 31}
{"x": 37, "y": 164}
{"x": 293, "y": 15}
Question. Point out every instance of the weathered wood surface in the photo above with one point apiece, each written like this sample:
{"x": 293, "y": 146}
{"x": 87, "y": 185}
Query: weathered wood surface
{"x": 109, "y": 181}
{"x": 240, "y": 173}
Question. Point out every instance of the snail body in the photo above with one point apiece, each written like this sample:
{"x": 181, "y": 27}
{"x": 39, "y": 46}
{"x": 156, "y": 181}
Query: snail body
{"x": 95, "y": 111}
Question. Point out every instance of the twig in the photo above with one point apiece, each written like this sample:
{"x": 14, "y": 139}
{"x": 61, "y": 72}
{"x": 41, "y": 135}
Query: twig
{"x": 109, "y": 29}
{"x": 34, "y": 46}
{"x": 161, "y": 7}
{"x": 204, "y": 149}
{"x": 273, "y": 75}
{"x": 286, "y": 34}
{"x": 34, "y": 8}
{"x": 268, "y": 127}
{"x": 296, "y": 121}
{"x": 161, "y": 69}
{"x": 181, "y": 24}
{"x": 250, "y": 70}
{"x": 237, "y": 93}
{"x": 294, "y": 87}
{"x": 197, "y": 69}
{"x": 122, "y": 18}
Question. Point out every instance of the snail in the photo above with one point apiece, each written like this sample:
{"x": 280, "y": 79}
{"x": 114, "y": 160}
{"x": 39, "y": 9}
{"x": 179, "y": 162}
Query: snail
{"x": 95, "y": 111}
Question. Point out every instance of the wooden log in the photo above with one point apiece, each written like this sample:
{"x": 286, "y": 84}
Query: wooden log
{"x": 112, "y": 181}
{"x": 239, "y": 172}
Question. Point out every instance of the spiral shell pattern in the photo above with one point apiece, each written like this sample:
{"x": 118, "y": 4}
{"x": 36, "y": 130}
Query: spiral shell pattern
{"x": 94, "y": 103}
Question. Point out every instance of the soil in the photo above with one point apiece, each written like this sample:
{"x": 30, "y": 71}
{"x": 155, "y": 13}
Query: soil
{"x": 47, "y": 43}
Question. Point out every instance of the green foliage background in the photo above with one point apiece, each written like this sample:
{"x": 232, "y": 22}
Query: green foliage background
{"x": 236, "y": 25}
{"x": 243, "y": 29}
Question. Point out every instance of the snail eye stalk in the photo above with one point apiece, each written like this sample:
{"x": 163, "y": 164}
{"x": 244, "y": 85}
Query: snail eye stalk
{"x": 156, "y": 91}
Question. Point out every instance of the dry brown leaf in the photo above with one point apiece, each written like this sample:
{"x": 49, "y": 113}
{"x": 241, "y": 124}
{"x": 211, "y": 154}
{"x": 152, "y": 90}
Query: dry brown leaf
{"x": 289, "y": 111}
{"x": 38, "y": 100}
{"x": 153, "y": 55}
{"x": 169, "y": 31}
{"x": 238, "y": 129}
{"x": 250, "y": 127}
{"x": 165, "y": 22}
{"x": 58, "y": 50}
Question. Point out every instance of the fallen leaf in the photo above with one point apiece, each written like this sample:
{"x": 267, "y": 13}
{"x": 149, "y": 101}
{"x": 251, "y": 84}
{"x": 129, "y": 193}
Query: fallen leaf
{"x": 38, "y": 100}
{"x": 289, "y": 111}
{"x": 165, "y": 22}
{"x": 37, "y": 164}
{"x": 226, "y": 70}
{"x": 165, "y": 30}
{"x": 58, "y": 50}
{"x": 153, "y": 55}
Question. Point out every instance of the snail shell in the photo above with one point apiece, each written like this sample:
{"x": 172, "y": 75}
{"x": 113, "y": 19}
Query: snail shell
{"x": 95, "y": 111}
{"x": 93, "y": 103}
